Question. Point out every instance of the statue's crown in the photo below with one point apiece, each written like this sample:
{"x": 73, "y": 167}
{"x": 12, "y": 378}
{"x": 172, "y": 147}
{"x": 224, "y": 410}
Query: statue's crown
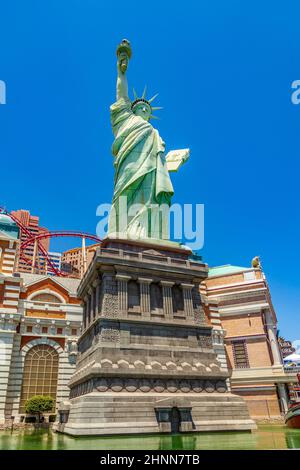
{"x": 140, "y": 100}
{"x": 143, "y": 99}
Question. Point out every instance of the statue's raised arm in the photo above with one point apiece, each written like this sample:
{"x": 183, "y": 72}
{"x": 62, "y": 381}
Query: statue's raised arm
{"x": 123, "y": 56}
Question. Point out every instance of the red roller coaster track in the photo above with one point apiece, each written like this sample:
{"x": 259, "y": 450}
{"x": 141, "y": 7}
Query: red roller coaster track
{"x": 36, "y": 240}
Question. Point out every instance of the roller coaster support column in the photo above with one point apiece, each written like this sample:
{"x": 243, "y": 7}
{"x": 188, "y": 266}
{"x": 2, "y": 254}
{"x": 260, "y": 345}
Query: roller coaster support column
{"x": 84, "y": 261}
{"x": 35, "y": 249}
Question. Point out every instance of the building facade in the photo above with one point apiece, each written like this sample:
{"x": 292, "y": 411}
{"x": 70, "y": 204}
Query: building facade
{"x": 31, "y": 223}
{"x": 9, "y": 295}
{"x": 55, "y": 258}
{"x": 76, "y": 261}
{"x": 146, "y": 360}
{"x": 239, "y": 307}
{"x": 40, "y": 321}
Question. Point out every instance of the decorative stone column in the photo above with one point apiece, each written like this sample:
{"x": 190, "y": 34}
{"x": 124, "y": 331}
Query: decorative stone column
{"x": 73, "y": 350}
{"x": 88, "y": 310}
{"x": 218, "y": 335}
{"x": 95, "y": 299}
{"x": 271, "y": 328}
{"x": 84, "y": 315}
{"x": 7, "y": 334}
{"x": 167, "y": 297}
{"x": 284, "y": 400}
{"x": 187, "y": 299}
{"x": 123, "y": 292}
{"x": 92, "y": 304}
{"x": 97, "y": 305}
{"x": 145, "y": 295}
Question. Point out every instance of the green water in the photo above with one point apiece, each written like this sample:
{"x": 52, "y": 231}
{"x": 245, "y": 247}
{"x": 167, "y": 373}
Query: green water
{"x": 266, "y": 437}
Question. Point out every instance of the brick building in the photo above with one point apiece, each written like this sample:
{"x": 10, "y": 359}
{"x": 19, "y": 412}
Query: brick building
{"x": 76, "y": 261}
{"x": 239, "y": 307}
{"x": 31, "y": 222}
{"x": 40, "y": 321}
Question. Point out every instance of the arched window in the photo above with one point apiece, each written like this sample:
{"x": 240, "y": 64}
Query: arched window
{"x": 46, "y": 298}
{"x": 40, "y": 373}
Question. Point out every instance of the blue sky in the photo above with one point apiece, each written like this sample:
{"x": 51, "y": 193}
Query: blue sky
{"x": 224, "y": 72}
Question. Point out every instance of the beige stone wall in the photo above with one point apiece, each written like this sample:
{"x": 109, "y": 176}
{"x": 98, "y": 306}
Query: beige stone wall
{"x": 220, "y": 281}
{"x": 74, "y": 257}
{"x": 258, "y": 353}
{"x": 3, "y": 246}
{"x": 232, "y": 291}
{"x": 261, "y": 404}
{"x": 243, "y": 325}
{"x": 257, "y": 348}
{"x": 229, "y": 279}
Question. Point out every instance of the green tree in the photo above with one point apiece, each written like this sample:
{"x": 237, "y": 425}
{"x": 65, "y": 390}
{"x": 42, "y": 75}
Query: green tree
{"x": 39, "y": 404}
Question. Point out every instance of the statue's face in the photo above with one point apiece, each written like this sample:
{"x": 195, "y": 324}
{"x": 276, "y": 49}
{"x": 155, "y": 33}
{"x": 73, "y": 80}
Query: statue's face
{"x": 142, "y": 110}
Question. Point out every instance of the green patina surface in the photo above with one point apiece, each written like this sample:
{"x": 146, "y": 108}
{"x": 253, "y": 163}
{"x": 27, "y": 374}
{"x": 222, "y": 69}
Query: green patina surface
{"x": 8, "y": 227}
{"x": 142, "y": 185}
{"x": 266, "y": 437}
{"x": 226, "y": 269}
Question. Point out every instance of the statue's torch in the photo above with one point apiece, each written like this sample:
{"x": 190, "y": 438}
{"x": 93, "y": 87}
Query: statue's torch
{"x": 124, "y": 54}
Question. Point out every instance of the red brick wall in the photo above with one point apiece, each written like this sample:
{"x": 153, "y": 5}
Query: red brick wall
{"x": 1, "y": 294}
{"x": 26, "y": 339}
{"x": 48, "y": 284}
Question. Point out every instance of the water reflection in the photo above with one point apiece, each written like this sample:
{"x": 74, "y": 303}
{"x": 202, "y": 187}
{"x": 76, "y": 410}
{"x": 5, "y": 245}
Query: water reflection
{"x": 266, "y": 437}
{"x": 292, "y": 440}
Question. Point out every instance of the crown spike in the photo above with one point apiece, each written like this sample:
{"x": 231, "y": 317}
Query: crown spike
{"x": 134, "y": 94}
{"x": 154, "y": 117}
{"x": 156, "y": 107}
{"x": 153, "y": 98}
{"x": 144, "y": 92}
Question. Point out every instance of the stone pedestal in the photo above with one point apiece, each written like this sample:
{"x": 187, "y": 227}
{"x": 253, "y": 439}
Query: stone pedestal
{"x": 146, "y": 362}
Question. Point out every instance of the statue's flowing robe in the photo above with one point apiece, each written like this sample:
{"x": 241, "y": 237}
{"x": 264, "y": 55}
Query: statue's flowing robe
{"x": 141, "y": 175}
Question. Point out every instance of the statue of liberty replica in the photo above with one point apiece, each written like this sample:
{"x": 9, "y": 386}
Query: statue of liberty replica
{"x": 148, "y": 361}
{"x": 143, "y": 188}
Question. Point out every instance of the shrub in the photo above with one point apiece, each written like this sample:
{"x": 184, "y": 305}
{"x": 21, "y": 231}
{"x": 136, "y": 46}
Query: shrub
{"x": 39, "y": 404}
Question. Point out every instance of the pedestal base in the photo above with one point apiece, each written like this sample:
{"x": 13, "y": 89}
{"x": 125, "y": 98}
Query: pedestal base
{"x": 108, "y": 414}
{"x": 146, "y": 361}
